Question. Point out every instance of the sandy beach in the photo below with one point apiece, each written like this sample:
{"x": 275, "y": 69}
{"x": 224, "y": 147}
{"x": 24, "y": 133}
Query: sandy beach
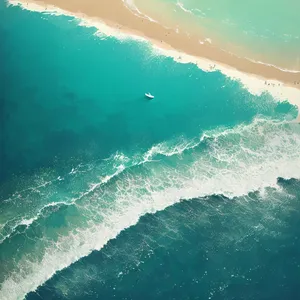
{"x": 115, "y": 14}
{"x": 107, "y": 194}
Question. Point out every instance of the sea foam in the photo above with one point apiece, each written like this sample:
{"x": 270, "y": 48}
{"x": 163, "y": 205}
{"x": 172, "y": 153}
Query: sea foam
{"x": 231, "y": 171}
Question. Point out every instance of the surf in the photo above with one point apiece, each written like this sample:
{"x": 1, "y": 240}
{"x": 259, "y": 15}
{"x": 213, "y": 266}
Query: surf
{"x": 259, "y": 153}
{"x": 227, "y": 142}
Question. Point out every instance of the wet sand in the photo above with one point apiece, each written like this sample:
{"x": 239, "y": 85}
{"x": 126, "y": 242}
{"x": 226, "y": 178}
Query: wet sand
{"x": 115, "y": 14}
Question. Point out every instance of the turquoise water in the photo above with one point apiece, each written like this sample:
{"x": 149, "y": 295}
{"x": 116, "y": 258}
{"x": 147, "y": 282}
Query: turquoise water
{"x": 266, "y": 31}
{"x": 105, "y": 194}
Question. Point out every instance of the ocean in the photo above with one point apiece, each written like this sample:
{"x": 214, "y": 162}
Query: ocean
{"x": 107, "y": 195}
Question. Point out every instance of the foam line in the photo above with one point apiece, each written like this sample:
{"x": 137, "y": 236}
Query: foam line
{"x": 231, "y": 171}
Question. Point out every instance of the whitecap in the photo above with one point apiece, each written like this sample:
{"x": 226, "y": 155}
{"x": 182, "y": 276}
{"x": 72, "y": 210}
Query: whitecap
{"x": 234, "y": 162}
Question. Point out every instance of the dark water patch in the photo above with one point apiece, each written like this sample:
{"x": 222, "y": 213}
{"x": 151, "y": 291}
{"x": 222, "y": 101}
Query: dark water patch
{"x": 212, "y": 248}
{"x": 73, "y": 99}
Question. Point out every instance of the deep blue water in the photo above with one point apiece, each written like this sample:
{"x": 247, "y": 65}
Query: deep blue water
{"x": 105, "y": 194}
{"x": 207, "y": 248}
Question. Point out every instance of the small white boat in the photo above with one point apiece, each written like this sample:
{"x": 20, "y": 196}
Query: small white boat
{"x": 148, "y": 95}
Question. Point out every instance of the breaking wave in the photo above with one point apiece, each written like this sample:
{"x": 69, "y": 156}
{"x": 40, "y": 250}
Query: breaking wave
{"x": 231, "y": 162}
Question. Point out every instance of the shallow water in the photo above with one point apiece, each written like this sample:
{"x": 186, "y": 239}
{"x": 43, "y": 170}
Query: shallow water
{"x": 84, "y": 156}
{"x": 266, "y": 31}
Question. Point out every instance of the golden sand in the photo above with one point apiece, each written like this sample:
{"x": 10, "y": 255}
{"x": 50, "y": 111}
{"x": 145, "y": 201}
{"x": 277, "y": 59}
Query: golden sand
{"x": 115, "y": 14}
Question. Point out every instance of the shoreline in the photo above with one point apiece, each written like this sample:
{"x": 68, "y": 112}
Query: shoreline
{"x": 119, "y": 16}
{"x": 119, "y": 21}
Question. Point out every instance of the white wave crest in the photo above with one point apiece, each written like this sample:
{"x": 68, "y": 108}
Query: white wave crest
{"x": 180, "y": 5}
{"x": 234, "y": 162}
